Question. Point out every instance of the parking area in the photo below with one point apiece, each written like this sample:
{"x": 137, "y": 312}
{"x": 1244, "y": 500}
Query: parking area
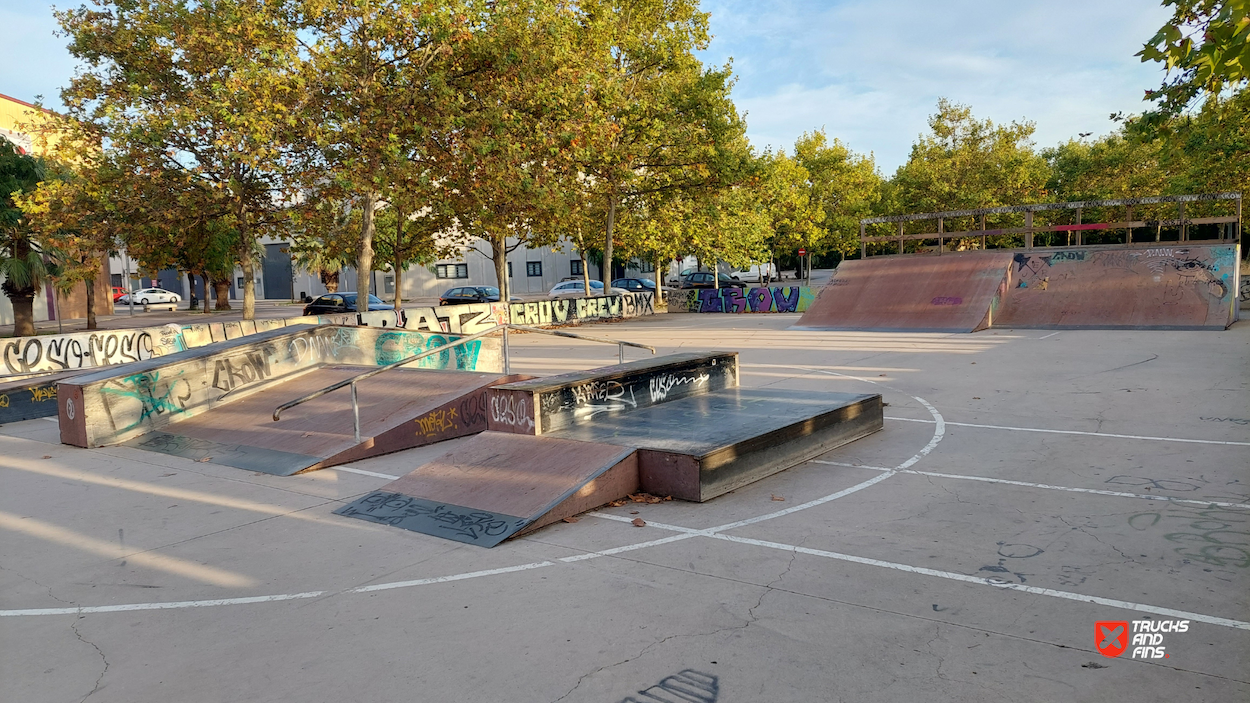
{"x": 1027, "y": 486}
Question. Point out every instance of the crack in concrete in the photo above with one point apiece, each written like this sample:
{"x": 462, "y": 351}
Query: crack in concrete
{"x": 73, "y": 628}
{"x": 1097, "y": 539}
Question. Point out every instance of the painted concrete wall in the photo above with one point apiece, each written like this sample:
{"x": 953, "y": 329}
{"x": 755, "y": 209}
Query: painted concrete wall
{"x": 739, "y": 300}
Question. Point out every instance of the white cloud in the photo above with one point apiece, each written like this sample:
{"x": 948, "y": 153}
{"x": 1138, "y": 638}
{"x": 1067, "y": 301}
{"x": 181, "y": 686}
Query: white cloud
{"x": 871, "y": 71}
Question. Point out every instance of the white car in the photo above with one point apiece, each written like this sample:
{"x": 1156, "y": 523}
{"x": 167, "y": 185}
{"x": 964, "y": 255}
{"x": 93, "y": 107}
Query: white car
{"x": 756, "y": 273}
{"x": 149, "y": 295}
{"x": 575, "y": 289}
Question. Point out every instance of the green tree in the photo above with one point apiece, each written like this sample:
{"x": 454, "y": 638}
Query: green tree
{"x": 657, "y": 120}
{"x": 844, "y": 185}
{"x": 792, "y": 203}
{"x": 22, "y": 264}
{"x": 965, "y": 163}
{"x": 197, "y": 97}
{"x": 1205, "y": 47}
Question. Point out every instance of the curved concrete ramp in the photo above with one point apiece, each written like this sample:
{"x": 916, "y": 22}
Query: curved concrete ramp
{"x": 921, "y": 293}
{"x": 498, "y": 485}
{"x": 1177, "y": 285}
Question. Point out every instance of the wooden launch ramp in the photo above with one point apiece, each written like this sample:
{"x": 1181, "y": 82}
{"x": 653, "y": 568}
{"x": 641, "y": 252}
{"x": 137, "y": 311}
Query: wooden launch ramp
{"x": 675, "y": 426}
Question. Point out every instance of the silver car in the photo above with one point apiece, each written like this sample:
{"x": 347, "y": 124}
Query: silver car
{"x": 576, "y": 289}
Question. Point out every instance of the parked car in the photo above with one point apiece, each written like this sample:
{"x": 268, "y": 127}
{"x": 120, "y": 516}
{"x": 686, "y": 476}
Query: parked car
{"x": 575, "y": 289}
{"x": 635, "y": 285}
{"x": 149, "y": 295}
{"x": 342, "y": 302}
{"x": 118, "y": 292}
{"x": 473, "y": 294}
{"x": 703, "y": 279}
{"x": 757, "y": 273}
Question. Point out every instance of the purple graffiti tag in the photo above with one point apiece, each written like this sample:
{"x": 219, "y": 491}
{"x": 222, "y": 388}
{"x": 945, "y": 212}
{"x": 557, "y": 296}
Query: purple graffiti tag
{"x": 947, "y": 301}
{"x": 709, "y": 300}
{"x": 734, "y": 302}
{"x": 760, "y": 300}
{"x": 787, "y": 299}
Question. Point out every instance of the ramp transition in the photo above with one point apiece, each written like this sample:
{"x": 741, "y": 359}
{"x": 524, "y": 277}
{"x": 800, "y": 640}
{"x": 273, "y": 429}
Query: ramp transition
{"x": 912, "y": 293}
{"x": 677, "y": 426}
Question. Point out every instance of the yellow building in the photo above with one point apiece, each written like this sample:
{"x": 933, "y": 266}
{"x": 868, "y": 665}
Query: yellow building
{"x": 13, "y": 114}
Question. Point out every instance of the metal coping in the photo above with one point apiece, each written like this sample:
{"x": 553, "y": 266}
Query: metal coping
{"x": 1040, "y": 207}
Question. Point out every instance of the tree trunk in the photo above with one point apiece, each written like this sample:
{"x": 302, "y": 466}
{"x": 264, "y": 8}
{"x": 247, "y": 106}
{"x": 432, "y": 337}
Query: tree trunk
{"x": 89, "y": 284}
{"x": 606, "y": 272}
{"x": 222, "y": 291}
{"x": 499, "y": 256}
{"x": 208, "y": 291}
{"x": 247, "y": 263}
{"x": 659, "y": 283}
{"x": 193, "y": 302}
{"x": 585, "y": 269}
{"x": 396, "y": 264}
{"x": 364, "y": 262}
{"x": 23, "y": 311}
{"x": 330, "y": 279}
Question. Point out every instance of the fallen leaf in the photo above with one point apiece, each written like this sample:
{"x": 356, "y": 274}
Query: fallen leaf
{"x": 633, "y": 512}
{"x": 777, "y": 497}
{"x": 572, "y": 519}
{"x": 881, "y": 375}
{"x": 976, "y": 397}
{"x": 205, "y": 459}
{"x": 47, "y": 456}
{"x": 617, "y": 503}
{"x": 639, "y": 522}
{"x": 645, "y": 498}
{"x": 172, "y": 473}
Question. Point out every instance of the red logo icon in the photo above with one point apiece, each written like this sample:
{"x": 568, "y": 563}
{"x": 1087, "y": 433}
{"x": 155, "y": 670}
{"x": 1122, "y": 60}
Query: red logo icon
{"x": 1111, "y": 636}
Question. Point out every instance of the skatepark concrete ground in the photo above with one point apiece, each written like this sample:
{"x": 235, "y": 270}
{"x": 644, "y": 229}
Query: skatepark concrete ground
{"x": 1026, "y": 486}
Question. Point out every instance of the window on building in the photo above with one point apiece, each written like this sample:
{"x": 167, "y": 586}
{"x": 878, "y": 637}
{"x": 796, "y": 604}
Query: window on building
{"x": 576, "y": 267}
{"x": 388, "y": 284}
{"x": 240, "y": 286}
{"x": 646, "y": 266}
{"x": 509, "y": 269}
{"x": 451, "y": 271}
{"x": 533, "y": 268}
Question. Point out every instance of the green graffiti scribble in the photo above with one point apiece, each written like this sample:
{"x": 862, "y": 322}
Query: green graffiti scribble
{"x": 155, "y": 397}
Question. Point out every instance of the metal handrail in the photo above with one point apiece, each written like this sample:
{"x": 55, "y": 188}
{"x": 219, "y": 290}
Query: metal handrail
{"x": 430, "y": 352}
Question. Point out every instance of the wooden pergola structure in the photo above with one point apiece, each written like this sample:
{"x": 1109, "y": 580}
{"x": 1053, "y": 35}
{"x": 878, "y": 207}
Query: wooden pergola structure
{"x": 1129, "y": 224}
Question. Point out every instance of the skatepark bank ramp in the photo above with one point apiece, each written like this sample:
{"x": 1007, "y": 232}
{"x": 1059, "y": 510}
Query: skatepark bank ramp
{"x": 1181, "y": 286}
{"x": 912, "y": 293}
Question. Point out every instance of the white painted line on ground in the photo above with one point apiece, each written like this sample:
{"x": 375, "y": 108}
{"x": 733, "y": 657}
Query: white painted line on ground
{"x": 160, "y": 606}
{"x": 1088, "y": 434}
{"x": 50, "y": 419}
{"x": 453, "y": 577}
{"x": 1126, "y": 605}
{"x": 362, "y": 472}
{"x": 1026, "y": 484}
{"x": 1049, "y": 335}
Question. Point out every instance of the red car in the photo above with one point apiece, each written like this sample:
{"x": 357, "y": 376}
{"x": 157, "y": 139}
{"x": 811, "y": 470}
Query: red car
{"x": 118, "y": 292}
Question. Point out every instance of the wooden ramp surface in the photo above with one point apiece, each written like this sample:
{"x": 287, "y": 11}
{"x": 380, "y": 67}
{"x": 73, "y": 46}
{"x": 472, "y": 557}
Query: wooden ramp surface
{"x": 1176, "y": 285}
{"x": 953, "y": 292}
{"x": 497, "y": 485}
{"x": 400, "y": 409}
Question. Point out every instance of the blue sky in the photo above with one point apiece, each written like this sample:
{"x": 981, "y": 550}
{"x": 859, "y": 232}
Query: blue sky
{"x": 869, "y": 72}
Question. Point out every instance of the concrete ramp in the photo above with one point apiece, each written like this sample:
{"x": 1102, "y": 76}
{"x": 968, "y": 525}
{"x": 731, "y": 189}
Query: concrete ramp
{"x": 1180, "y": 286}
{"x": 401, "y": 409}
{"x": 676, "y": 425}
{"x": 921, "y": 293}
{"x": 498, "y": 485}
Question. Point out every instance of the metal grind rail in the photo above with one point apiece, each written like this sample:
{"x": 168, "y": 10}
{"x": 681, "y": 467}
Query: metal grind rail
{"x": 440, "y": 349}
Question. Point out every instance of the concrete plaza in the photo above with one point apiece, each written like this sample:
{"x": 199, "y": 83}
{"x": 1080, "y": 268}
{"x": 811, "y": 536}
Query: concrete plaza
{"x": 1027, "y": 485}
